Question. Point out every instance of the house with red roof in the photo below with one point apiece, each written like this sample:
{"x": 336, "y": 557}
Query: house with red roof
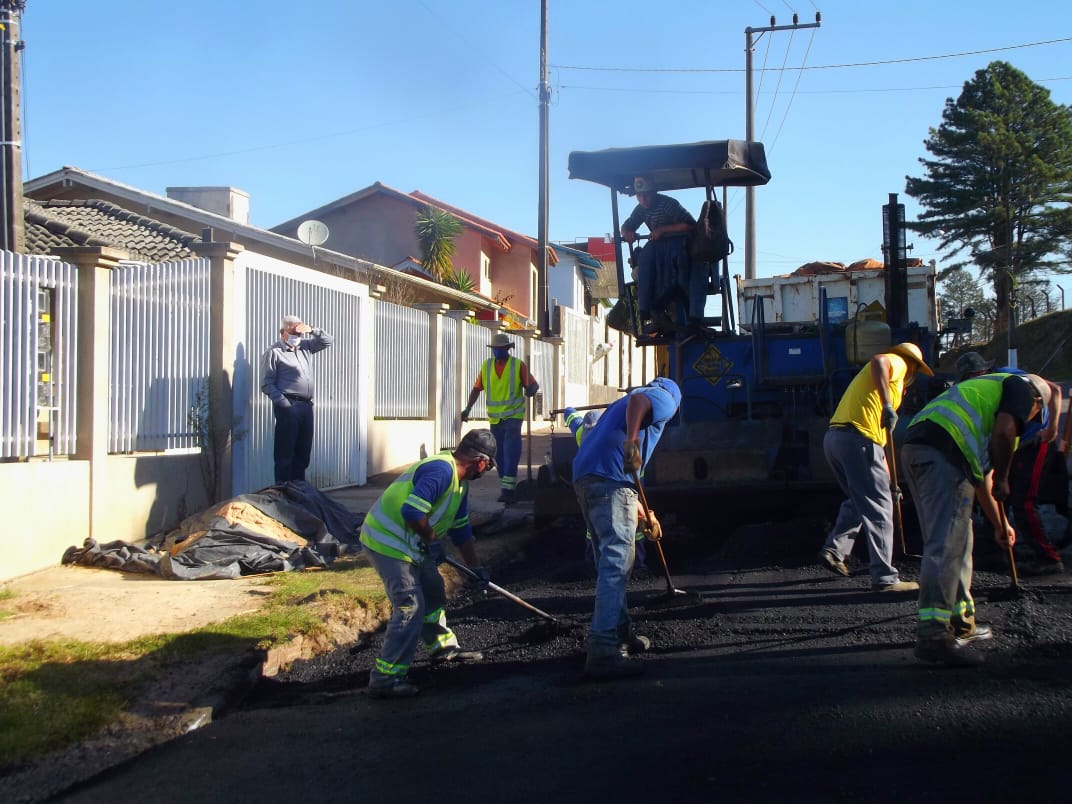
{"x": 377, "y": 224}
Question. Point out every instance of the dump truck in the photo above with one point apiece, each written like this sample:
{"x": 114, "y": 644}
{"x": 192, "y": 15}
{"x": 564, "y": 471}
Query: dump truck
{"x": 756, "y": 396}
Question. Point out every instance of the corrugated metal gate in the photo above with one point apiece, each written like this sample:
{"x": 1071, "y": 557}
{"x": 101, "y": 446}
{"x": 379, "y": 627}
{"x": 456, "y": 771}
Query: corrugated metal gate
{"x": 273, "y": 289}
{"x": 158, "y": 354}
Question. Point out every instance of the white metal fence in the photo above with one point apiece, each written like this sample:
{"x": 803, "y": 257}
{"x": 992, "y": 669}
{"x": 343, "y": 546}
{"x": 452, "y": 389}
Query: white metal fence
{"x": 401, "y": 362}
{"x": 578, "y": 356}
{"x": 542, "y": 366}
{"x": 159, "y": 354}
{"x": 38, "y": 322}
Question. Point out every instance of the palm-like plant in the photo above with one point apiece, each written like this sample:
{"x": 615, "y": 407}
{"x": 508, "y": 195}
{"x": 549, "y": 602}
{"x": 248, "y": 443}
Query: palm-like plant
{"x": 436, "y": 230}
{"x": 459, "y": 279}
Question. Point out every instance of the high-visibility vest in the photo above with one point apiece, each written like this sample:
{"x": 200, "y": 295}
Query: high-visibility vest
{"x": 505, "y": 394}
{"x": 967, "y": 411}
{"x": 386, "y": 532}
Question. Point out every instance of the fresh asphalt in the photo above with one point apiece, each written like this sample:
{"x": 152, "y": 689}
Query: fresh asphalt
{"x": 787, "y": 683}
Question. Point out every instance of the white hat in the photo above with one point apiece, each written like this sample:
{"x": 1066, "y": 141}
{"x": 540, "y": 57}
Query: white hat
{"x": 1041, "y": 387}
{"x": 642, "y": 184}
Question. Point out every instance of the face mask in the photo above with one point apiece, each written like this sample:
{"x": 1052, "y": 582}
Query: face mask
{"x": 501, "y": 354}
{"x": 293, "y": 340}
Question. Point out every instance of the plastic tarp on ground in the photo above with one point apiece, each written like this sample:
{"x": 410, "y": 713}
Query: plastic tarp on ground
{"x": 285, "y": 527}
{"x": 715, "y": 163}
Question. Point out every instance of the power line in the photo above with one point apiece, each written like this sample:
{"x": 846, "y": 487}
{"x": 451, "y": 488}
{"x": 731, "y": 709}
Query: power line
{"x": 799, "y": 92}
{"x": 815, "y": 67}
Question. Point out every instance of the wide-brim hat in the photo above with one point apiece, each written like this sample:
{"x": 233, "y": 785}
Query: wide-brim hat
{"x": 499, "y": 340}
{"x": 911, "y": 353}
{"x": 971, "y": 363}
{"x": 1042, "y": 388}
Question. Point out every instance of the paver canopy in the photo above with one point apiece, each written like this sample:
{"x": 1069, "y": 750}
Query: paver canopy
{"x": 716, "y": 163}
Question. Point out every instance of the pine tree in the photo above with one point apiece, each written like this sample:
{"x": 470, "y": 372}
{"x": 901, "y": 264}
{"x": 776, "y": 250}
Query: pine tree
{"x": 1000, "y": 181}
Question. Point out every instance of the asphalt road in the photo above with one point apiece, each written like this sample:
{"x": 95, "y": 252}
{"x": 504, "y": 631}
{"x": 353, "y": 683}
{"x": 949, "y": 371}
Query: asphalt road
{"x": 787, "y": 683}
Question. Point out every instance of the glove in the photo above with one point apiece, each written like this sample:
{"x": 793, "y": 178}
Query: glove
{"x": 532, "y": 389}
{"x": 437, "y": 552}
{"x": 465, "y": 415}
{"x": 631, "y": 456}
{"x": 889, "y": 417}
{"x": 653, "y": 530}
{"x": 485, "y": 579}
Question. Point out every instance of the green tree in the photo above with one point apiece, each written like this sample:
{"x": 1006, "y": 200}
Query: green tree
{"x": 958, "y": 291}
{"x": 1000, "y": 181}
{"x": 436, "y": 230}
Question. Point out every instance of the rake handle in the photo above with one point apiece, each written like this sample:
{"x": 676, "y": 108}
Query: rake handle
{"x": 1012, "y": 557}
{"x": 658, "y": 542}
{"x": 505, "y": 593}
{"x": 898, "y": 520}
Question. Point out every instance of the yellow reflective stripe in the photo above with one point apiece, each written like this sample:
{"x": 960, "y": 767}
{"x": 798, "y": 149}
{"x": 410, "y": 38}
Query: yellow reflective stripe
{"x": 964, "y": 607}
{"x": 446, "y": 640}
{"x": 935, "y": 615}
{"x": 433, "y": 616}
{"x": 389, "y": 669}
{"x": 460, "y": 523}
{"x": 383, "y": 549}
{"x": 421, "y": 504}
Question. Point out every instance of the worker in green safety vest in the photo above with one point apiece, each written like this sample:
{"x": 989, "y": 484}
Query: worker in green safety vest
{"x": 506, "y": 381}
{"x": 958, "y": 449}
{"x": 403, "y": 539}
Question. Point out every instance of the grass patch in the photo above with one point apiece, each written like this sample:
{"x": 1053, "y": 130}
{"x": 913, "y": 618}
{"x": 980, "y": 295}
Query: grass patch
{"x": 57, "y": 693}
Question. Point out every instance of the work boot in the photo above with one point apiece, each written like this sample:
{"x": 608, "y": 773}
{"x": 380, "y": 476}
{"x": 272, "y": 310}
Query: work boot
{"x": 612, "y": 665}
{"x": 506, "y": 496}
{"x": 833, "y": 563}
{"x": 947, "y": 651}
{"x": 896, "y": 586}
{"x": 392, "y": 688}
{"x": 455, "y": 655}
{"x": 635, "y": 644}
{"x": 977, "y": 634}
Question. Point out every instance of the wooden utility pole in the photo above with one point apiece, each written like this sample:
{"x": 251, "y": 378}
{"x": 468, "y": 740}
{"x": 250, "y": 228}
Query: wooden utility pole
{"x": 749, "y": 132}
{"x": 13, "y": 237}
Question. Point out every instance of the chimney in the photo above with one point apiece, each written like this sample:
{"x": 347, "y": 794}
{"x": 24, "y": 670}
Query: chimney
{"x": 227, "y": 201}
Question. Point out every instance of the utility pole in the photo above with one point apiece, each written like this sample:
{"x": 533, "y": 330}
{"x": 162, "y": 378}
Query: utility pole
{"x": 12, "y": 230}
{"x": 543, "y": 308}
{"x": 749, "y": 117}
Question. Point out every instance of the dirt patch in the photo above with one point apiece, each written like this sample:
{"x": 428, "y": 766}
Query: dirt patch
{"x": 107, "y": 606}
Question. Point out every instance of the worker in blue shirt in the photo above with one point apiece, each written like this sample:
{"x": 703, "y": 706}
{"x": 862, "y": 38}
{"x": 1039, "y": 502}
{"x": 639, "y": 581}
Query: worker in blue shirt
{"x": 608, "y": 459}
{"x": 580, "y": 425}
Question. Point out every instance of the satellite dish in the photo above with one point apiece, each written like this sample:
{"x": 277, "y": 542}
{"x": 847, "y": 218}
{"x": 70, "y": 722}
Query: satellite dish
{"x": 313, "y": 233}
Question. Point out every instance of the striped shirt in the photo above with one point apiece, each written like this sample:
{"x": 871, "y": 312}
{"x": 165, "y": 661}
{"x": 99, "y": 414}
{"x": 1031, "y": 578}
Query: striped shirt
{"x": 664, "y": 211}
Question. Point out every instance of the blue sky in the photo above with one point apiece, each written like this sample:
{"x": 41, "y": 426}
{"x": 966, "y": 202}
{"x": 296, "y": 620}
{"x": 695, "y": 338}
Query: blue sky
{"x": 301, "y": 103}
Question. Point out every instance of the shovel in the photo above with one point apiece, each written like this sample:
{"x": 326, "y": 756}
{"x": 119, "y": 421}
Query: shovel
{"x": 505, "y": 593}
{"x": 1013, "y": 591}
{"x": 673, "y": 596}
{"x": 895, "y": 489}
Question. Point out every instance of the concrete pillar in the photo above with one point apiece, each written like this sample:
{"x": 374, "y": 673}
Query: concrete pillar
{"x": 434, "y": 368}
{"x": 461, "y": 365}
{"x": 221, "y": 364}
{"x": 92, "y": 373}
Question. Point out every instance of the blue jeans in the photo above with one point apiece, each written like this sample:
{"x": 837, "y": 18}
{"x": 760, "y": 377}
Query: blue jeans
{"x": 507, "y": 434}
{"x": 610, "y": 511}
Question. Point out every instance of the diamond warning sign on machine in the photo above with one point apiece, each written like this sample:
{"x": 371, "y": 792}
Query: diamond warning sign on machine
{"x": 711, "y": 365}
